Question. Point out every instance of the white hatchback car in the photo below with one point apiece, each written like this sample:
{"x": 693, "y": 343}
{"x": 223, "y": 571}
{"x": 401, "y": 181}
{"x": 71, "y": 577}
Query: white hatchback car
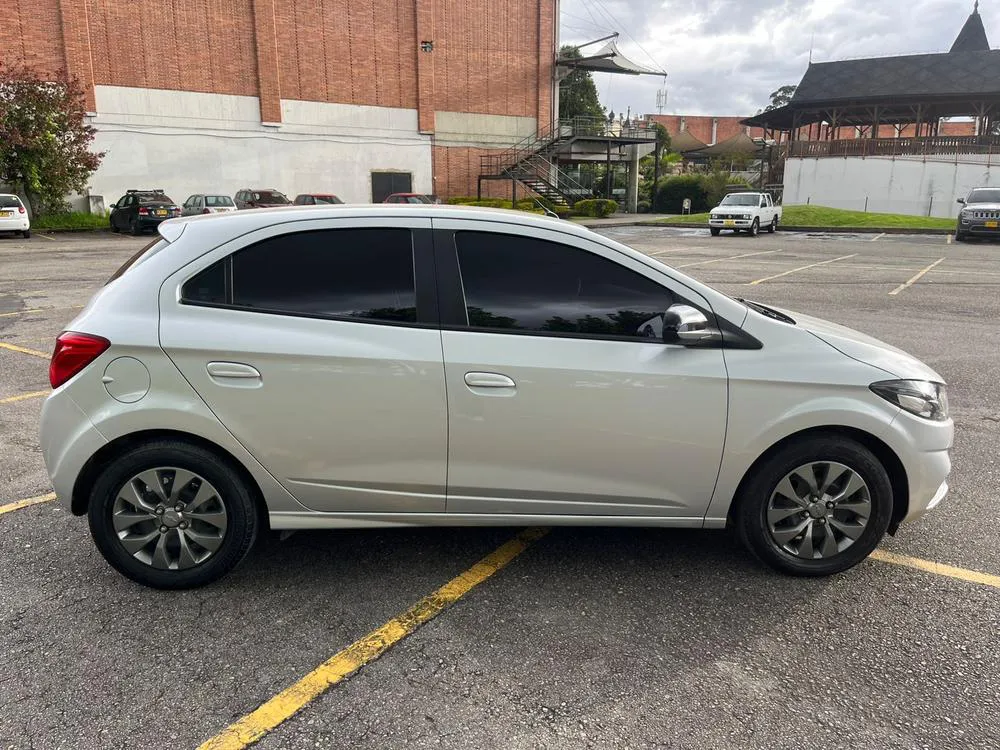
{"x": 369, "y": 366}
{"x": 14, "y": 216}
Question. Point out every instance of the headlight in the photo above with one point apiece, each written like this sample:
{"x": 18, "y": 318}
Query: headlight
{"x": 921, "y": 397}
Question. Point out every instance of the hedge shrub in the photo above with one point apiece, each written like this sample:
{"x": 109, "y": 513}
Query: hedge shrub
{"x": 596, "y": 207}
{"x": 672, "y": 191}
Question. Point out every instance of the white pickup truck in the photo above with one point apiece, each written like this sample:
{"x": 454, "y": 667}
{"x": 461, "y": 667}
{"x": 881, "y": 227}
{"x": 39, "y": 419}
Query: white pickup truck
{"x": 745, "y": 212}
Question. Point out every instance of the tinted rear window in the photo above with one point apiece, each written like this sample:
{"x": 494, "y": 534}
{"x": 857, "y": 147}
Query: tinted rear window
{"x": 9, "y": 201}
{"x": 265, "y": 196}
{"x": 156, "y": 198}
{"x": 327, "y": 199}
{"x": 218, "y": 200}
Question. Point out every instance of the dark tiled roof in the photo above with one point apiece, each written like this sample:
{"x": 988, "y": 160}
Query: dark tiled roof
{"x": 909, "y": 76}
{"x": 972, "y": 37}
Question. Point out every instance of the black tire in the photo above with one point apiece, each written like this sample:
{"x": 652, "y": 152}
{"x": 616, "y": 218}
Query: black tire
{"x": 961, "y": 237}
{"x": 754, "y": 229}
{"x": 773, "y": 226}
{"x": 26, "y": 234}
{"x": 752, "y": 504}
{"x": 243, "y": 521}
{"x": 715, "y": 232}
{"x": 114, "y": 227}
{"x": 134, "y": 228}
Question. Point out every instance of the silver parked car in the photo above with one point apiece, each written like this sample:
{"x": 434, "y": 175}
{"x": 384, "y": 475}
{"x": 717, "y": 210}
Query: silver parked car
{"x": 346, "y": 366}
{"x": 207, "y": 204}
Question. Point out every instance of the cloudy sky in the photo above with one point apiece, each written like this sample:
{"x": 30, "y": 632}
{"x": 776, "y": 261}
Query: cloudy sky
{"x": 724, "y": 57}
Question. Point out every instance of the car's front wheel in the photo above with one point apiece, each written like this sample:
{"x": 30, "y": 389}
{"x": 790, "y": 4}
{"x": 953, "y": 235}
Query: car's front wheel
{"x": 961, "y": 236}
{"x": 715, "y": 232}
{"x": 816, "y": 507}
{"x": 172, "y": 515}
{"x": 754, "y": 229}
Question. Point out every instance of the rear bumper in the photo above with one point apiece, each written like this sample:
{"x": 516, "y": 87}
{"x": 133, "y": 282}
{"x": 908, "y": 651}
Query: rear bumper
{"x": 69, "y": 440}
{"x": 16, "y": 224}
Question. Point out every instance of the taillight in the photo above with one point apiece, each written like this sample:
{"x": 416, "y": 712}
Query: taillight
{"x": 20, "y": 209}
{"x": 143, "y": 212}
{"x": 74, "y": 351}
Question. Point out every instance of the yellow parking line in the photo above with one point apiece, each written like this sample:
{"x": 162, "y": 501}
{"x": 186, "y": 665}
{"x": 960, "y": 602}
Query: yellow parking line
{"x": 292, "y": 699}
{"x": 800, "y": 268}
{"x": 25, "y": 503}
{"x": 916, "y": 278}
{"x": 732, "y": 257}
{"x": 928, "y": 566}
{"x": 24, "y": 350}
{"x": 24, "y": 397}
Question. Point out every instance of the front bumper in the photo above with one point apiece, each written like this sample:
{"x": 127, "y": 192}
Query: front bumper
{"x": 978, "y": 228}
{"x": 923, "y": 449}
{"x": 730, "y": 223}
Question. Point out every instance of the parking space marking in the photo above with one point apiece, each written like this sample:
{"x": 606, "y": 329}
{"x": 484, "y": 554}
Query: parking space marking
{"x": 928, "y": 566}
{"x": 23, "y": 397}
{"x": 295, "y": 697}
{"x": 915, "y": 278}
{"x": 24, "y": 350}
{"x": 877, "y": 237}
{"x": 17, "y": 505}
{"x": 731, "y": 257}
{"x": 800, "y": 268}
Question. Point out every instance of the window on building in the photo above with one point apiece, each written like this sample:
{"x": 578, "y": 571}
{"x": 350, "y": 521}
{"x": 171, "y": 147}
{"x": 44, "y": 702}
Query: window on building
{"x": 515, "y": 283}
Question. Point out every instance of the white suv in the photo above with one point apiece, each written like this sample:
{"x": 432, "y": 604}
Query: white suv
{"x": 352, "y": 366}
{"x": 14, "y": 216}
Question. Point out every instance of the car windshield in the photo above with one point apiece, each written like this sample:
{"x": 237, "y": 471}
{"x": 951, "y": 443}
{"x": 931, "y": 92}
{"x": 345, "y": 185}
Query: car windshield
{"x": 9, "y": 201}
{"x": 417, "y": 199}
{"x": 154, "y": 198}
{"x": 740, "y": 200}
{"x": 269, "y": 196}
{"x": 218, "y": 200}
{"x": 327, "y": 199}
{"x": 984, "y": 196}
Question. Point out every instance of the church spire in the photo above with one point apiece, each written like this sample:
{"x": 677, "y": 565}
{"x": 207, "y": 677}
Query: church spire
{"x": 972, "y": 37}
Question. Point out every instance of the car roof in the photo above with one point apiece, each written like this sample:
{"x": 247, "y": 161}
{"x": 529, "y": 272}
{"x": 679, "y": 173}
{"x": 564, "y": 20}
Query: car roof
{"x": 225, "y": 226}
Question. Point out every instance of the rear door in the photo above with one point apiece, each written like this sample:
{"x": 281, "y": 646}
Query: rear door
{"x": 318, "y": 349}
{"x": 559, "y": 400}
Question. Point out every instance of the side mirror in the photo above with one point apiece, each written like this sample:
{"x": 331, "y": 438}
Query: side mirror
{"x": 962, "y": 201}
{"x": 113, "y": 206}
{"x": 689, "y": 326}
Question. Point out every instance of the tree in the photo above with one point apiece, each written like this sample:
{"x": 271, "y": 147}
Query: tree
{"x": 663, "y": 143}
{"x": 577, "y": 91}
{"x": 44, "y": 137}
{"x": 781, "y": 97}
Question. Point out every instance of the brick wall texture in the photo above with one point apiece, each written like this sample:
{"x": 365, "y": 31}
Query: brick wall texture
{"x": 489, "y": 56}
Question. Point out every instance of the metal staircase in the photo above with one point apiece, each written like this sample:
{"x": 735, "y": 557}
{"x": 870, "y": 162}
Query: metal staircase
{"x": 533, "y": 161}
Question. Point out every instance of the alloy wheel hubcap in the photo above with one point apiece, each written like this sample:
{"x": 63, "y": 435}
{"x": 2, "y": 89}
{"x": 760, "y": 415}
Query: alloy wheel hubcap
{"x": 818, "y": 510}
{"x": 169, "y": 518}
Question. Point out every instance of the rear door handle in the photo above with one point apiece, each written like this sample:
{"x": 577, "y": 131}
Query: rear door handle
{"x": 488, "y": 380}
{"x": 236, "y": 370}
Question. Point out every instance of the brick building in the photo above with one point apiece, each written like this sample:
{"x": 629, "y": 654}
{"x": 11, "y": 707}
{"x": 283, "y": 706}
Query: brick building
{"x": 298, "y": 95}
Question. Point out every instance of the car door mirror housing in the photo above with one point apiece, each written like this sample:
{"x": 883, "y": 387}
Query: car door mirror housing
{"x": 961, "y": 200}
{"x": 687, "y": 325}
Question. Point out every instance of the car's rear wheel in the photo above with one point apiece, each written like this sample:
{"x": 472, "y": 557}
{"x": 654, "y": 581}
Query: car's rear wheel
{"x": 754, "y": 229}
{"x": 134, "y": 228}
{"x": 172, "y": 515}
{"x": 817, "y": 507}
{"x": 26, "y": 234}
{"x": 715, "y": 232}
{"x": 773, "y": 226}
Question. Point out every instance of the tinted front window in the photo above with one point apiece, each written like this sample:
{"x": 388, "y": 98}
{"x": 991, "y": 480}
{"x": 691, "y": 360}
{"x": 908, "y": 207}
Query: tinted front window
{"x": 352, "y": 273}
{"x": 520, "y": 283}
{"x": 740, "y": 200}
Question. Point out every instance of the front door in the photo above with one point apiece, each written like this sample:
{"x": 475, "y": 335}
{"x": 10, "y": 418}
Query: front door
{"x": 560, "y": 401}
{"x": 385, "y": 184}
{"x": 312, "y": 349}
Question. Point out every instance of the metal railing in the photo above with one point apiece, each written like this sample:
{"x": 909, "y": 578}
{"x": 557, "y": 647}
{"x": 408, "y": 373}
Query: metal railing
{"x": 953, "y": 145}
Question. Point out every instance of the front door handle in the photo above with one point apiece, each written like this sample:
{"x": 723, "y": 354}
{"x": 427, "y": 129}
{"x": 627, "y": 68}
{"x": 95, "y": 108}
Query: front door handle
{"x": 488, "y": 380}
{"x": 236, "y": 370}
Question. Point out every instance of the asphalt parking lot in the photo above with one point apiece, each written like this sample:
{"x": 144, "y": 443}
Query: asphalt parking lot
{"x": 603, "y": 638}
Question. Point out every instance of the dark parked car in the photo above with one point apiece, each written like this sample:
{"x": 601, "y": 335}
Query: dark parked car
{"x": 260, "y": 198}
{"x": 980, "y": 214}
{"x": 316, "y": 199}
{"x": 141, "y": 210}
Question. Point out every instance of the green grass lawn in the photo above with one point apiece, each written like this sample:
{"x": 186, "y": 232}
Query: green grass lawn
{"x": 75, "y": 220}
{"x": 820, "y": 216}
